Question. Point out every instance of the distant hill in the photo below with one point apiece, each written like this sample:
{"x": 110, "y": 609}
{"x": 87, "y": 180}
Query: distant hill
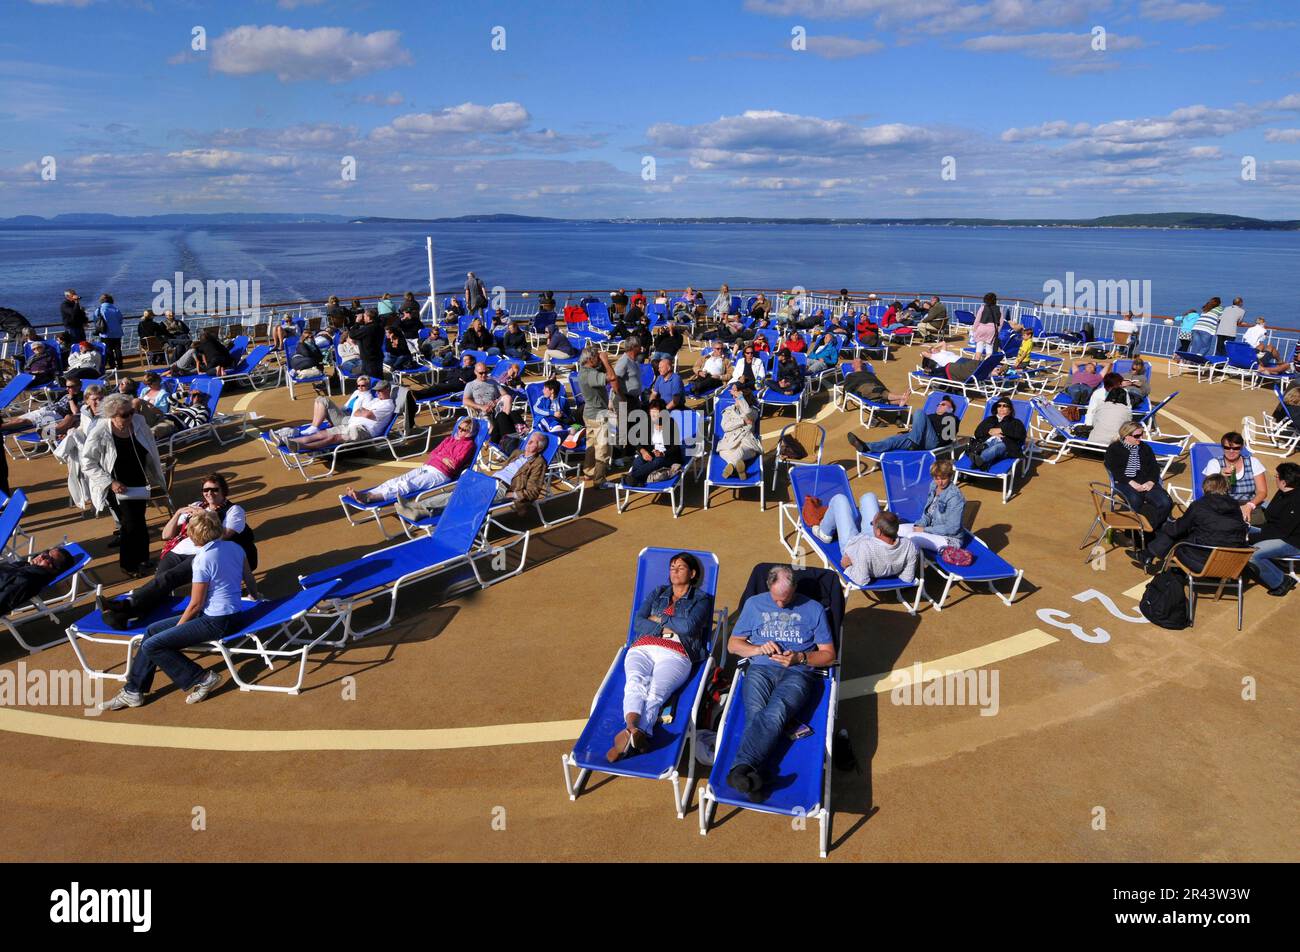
{"x": 1152, "y": 220}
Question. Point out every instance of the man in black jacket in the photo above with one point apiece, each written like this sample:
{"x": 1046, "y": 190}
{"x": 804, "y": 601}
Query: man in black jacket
{"x": 1213, "y": 520}
{"x": 74, "y": 315}
{"x": 1280, "y": 538}
{"x": 20, "y": 582}
{"x": 368, "y": 334}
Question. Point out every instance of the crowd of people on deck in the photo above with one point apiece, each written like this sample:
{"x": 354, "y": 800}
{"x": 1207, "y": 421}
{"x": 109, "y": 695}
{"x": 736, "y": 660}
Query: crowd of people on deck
{"x": 110, "y": 435}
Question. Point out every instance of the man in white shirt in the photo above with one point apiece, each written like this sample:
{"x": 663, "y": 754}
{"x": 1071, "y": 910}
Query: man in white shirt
{"x": 1254, "y": 336}
{"x": 1228, "y": 321}
{"x": 371, "y": 408}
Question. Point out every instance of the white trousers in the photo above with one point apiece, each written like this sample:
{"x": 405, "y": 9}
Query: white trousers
{"x": 922, "y": 539}
{"x": 653, "y": 674}
{"x": 408, "y": 484}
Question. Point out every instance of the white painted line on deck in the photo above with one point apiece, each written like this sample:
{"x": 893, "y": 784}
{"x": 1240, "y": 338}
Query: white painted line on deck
{"x": 246, "y": 401}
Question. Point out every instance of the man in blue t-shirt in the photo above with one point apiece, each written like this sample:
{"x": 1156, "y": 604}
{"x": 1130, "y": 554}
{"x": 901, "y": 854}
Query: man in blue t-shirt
{"x": 785, "y": 635}
{"x": 668, "y": 385}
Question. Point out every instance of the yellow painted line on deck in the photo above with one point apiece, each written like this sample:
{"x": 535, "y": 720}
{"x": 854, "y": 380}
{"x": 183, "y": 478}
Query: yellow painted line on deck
{"x": 1136, "y": 592}
{"x": 1199, "y": 434}
{"x": 246, "y": 401}
{"x": 988, "y": 654}
{"x": 108, "y": 729}
{"x": 99, "y": 730}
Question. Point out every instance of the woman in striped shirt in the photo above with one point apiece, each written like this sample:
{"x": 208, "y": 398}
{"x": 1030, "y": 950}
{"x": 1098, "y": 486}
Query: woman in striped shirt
{"x": 1205, "y": 328}
{"x": 1136, "y": 474}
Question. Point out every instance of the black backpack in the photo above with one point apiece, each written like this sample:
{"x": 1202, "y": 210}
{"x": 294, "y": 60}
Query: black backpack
{"x": 1164, "y": 602}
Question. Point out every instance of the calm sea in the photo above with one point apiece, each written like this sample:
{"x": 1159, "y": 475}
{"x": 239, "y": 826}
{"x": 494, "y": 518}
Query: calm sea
{"x": 295, "y": 262}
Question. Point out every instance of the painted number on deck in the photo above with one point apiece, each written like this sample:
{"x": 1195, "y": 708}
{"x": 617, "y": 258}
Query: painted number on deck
{"x": 1057, "y": 618}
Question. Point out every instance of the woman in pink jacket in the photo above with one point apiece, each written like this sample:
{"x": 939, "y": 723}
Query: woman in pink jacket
{"x": 448, "y": 460}
{"x": 985, "y": 329}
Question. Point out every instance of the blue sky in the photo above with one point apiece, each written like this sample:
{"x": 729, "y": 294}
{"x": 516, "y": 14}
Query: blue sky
{"x": 737, "y": 107}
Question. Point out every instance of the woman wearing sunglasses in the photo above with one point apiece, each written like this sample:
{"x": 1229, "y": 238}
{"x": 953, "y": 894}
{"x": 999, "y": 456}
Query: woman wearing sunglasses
{"x": 175, "y": 568}
{"x": 1136, "y": 474}
{"x": 1247, "y": 482}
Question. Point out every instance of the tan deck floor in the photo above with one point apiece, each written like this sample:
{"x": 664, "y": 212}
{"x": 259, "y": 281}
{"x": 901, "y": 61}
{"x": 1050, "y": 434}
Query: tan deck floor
{"x": 1150, "y": 725}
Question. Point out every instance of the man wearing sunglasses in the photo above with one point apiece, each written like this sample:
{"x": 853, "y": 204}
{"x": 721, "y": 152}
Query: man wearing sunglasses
{"x": 175, "y": 568}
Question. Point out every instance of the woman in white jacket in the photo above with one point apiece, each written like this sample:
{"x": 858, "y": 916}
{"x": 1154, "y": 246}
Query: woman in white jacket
{"x": 738, "y": 443}
{"x": 119, "y": 461}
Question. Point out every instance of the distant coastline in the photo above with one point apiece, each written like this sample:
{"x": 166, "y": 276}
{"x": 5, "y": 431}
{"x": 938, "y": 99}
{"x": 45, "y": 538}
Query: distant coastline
{"x": 1159, "y": 220}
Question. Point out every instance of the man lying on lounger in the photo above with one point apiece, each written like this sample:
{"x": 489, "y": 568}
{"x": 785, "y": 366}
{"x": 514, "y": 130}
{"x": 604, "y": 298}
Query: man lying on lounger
{"x": 372, "y": 407}
{"x": 20, "y": 582}
{"x": 63, "y": 414}
{"x": 785, "y": 635}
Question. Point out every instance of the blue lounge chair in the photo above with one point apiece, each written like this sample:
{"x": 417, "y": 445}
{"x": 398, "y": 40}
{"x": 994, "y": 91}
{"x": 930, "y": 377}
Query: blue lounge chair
{"x": 1203, "y": 367}
{"x": 690, "y": 426}
{"x": 1198, "y": 457}
{"x": 960, "y": 405}
{"x": 824, "y": 482}
{"x": 753, "y": 478}
{"x": 980, "y": 383}
{"x": 767, "y": 397}
{"x": 377, "y": 510}
{"x": 1005, "y": 471}
{"x": 10, "y": 529}
{"x": 1051, "y": 429}
{"x": 868, "y": 410}
{"x": 328, "y": 456}
{"x": 297, "y": 377}
{"x": 669, "y": 738}
{"x": 270, "y": 629}
{"x": 988, "y": 568}
{"x": 254, "y": 369}
{"x": 453, "y": 547}
{"x": 79, "y": 589}
{"x": 802, "y": 771}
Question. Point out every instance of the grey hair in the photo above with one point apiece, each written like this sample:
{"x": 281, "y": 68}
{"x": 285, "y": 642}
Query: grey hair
{"x": 775, "y": 573}
{"x": 113, "y": 404}
{"x": 94, "y": 390}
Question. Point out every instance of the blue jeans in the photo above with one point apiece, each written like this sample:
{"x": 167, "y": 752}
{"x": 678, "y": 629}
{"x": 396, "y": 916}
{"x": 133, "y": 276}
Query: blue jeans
{"x": 1265, "y": 552}
{"x": 1079, "y": 393}
{"x": 162, "y": 646}
{"x": 842, "y": 522}
{"x": 773, "y": 697}
{"x": 920, "y": 437}
{"x": 993, "y": 452}
{"x": 1202, "y": 344}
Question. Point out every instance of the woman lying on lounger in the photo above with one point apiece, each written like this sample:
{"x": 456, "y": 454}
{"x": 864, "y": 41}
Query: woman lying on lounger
{"x": 449, "y": 459}
{"x": 672, "y": 626}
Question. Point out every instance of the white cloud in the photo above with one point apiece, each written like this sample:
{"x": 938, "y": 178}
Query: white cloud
{"x": 381, "y": 99}
{"x": 325, "y": 53}
{"x": 1282, "y": 135}
{"x": 940, "y": 16}
{"x": 1173, "y": 10}
{"x": 62, "y": 3}
{"x": 466, "y": 119}
{"x": 1186, "y": 123}
{"x": 763, "y": 131}
{"x": 1055, "y": 46}
{"x": 842, "y": 47}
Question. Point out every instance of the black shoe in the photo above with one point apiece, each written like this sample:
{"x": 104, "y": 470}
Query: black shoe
{"x": 1287, "y": 584}
{"x": 742, "y": 778}
{"x": 858, "y": 443}
{"x": 115, "y": 542}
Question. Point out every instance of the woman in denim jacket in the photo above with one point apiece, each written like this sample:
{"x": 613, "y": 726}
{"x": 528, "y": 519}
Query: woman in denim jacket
{"x": 672, "y": 627}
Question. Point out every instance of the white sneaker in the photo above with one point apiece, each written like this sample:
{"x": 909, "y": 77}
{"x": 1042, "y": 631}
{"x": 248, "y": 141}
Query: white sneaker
{"x": 204, "y": 687}
{"x": 309, "y": 430}
{"x": 123, "y": 698}
{"x": 822, "y": 534}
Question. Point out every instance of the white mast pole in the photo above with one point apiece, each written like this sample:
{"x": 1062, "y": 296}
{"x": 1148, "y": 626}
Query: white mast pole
{"x": 433, "y": 287}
